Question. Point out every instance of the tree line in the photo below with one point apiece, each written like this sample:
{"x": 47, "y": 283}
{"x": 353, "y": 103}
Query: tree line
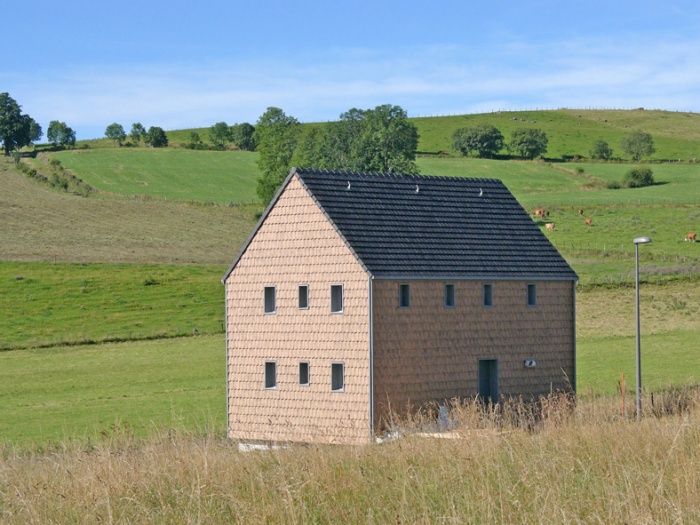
{"x": 487, "y": 141}
{"x": 380, "y": 139}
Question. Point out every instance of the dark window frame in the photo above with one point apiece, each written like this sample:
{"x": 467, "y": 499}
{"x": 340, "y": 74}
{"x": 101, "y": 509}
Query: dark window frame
{"x": 304, "y": 364}
{"x": 338, "y": 365}
{"x": 299, "y": 297}
{"x": 266, "y": 308}
{"x": 334, "y": 299}
{"x": 404, "y": 295}
{"x": 531, "y": 296}
{"x": 452, "y": 295}
{"x": 270, "y": 382}
{"x": 487, "y": 295}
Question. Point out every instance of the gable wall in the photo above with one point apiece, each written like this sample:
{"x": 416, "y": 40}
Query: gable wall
{"x": 430, "y": 353}
{"x": 297, "y": 245}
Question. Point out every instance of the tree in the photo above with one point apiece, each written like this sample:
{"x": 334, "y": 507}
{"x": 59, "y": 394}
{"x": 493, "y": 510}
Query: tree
{"x": 137, "y": 132}
{"x": 16, "y": 130}
{"x": 243, "y": 136}
{"x": 60, "y": 134}
{"x": 220, "y": 134}
{"x": 116, "y": 133}
{"x": 638, "y": 177}
{"x": 156, "y": 137}
{"x": 388, "y": 141}
{"x": 486, "y": 140}
{"x": 277, "y": 135}
{"x": 601, "y": 150}
{"x": 638, "y": 144}
{"x": 379, "y": 139}
{"x": 528, "y": 143}
{"x": 195, "y": 141}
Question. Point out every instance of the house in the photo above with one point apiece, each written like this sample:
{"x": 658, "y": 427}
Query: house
{"x": 362, "y": 293}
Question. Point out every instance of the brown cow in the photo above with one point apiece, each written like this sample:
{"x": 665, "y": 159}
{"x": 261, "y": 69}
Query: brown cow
{"x": 691, "y": 237}
{"x": 539, "y": 212}
{"x": 580, "y": 212}
{"x": 550, "y": 226}
{"x": 588, "y": 222}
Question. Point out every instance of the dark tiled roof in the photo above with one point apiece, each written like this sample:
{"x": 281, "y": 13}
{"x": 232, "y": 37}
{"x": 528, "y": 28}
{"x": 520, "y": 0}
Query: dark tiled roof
{"x": 444, "y": 227}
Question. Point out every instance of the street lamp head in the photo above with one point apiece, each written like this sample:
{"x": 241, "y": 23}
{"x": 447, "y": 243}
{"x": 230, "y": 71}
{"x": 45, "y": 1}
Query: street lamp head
{"x": 642, "y": 240}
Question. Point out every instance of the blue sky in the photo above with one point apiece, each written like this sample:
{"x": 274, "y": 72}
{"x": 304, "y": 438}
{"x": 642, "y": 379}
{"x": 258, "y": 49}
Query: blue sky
{"x": 181, "y": 64}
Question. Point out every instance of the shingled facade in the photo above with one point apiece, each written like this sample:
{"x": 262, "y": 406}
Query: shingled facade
{"x": 362, "y": 293}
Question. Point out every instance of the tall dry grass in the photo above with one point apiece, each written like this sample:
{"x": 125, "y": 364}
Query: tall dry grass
{"x": 555, "y": 463}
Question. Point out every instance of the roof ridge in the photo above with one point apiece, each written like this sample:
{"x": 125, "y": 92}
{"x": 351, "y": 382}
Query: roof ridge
{"x": 380, "y": 174}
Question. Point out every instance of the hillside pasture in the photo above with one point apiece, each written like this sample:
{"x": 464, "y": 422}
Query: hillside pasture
{"x": 46, "y": 304}
{"x": 39, "y": 224}
{"x": 83, "y": 392}
{"x": 573, "y": 132}
{"x": 80, "y": 391}
{"x": 208, "y": 176}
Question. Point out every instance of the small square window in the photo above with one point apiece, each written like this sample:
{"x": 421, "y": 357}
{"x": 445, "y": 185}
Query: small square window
{"x": 337, "y": 377}
{"x": 449, "y": 296}
{"x": 303, "y": 297}
{"x": 304, "y": 373}
{"x": 488, "y": 295}
{"x": 404, "y": 296}
{"x": 336, "y": 298}
{"x": 270, "y": 374}
{"x": 270, "y": 306}
{"x": 532, "y": 295}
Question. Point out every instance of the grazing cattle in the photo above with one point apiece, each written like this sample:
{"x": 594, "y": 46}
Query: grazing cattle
{"x": 580, "y": 212}
{"x": 539, "y": 212}
{"x": 546, "y": 214}
{"x": 691, "y": 237}
{"x": 588, "y": 222}
{"x": 550, "y": 226}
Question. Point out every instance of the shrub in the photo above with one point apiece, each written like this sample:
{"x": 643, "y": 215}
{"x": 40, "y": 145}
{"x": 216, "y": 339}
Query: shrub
{"x": 601, "y": 150}
{"x": 613, "y": 185}
{"x": 638, "y": 178}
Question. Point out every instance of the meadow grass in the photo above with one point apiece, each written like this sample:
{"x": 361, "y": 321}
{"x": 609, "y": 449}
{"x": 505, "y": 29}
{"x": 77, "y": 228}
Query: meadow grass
{"x": 80, "y": 392}
{"x": 573, "y": 132}
{"x": 209, "y": 176}
{"x": 45, "y": 304}
{"x": 39, "y": 224}
{"x": 567, "y": 465}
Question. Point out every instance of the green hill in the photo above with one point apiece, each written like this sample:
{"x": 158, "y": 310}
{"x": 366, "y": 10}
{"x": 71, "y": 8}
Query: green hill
{"x": 573, "y": 132}
{"x": 40, "y": 224}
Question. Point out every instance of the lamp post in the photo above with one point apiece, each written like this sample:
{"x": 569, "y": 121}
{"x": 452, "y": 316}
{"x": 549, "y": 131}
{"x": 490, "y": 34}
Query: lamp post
{"x": 637, "y": 242}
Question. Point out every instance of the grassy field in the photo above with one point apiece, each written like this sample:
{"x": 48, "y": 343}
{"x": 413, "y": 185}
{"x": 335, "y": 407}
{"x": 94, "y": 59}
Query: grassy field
{"x": 39, "y": 224}
{"x": 573, "y": 132}
{"x": 570, "y": 131}
{"x": 81, "y": 392}
{"x": 78, "y": 391}
{"x": 207, "y": 176}
{"x": 586, "y": 466}
{"x": 150, "y": 267}
{"x": 46, "y": 304}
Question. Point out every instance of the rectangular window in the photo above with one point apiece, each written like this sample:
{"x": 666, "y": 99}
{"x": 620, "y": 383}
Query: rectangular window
{"x": 303, "y": 297}
{"x": 270, "y": 305}
{"x": 336, "y": 298}
{"x": 304, "y": 373}
{"x": 449, "y": 296}
{"x": 337, "y": 377}
{"x": 404, "y": 296}
{"x": 270, "y": 374}
{"x": 488, "y": 295}
{"x": 532, "y": 295}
